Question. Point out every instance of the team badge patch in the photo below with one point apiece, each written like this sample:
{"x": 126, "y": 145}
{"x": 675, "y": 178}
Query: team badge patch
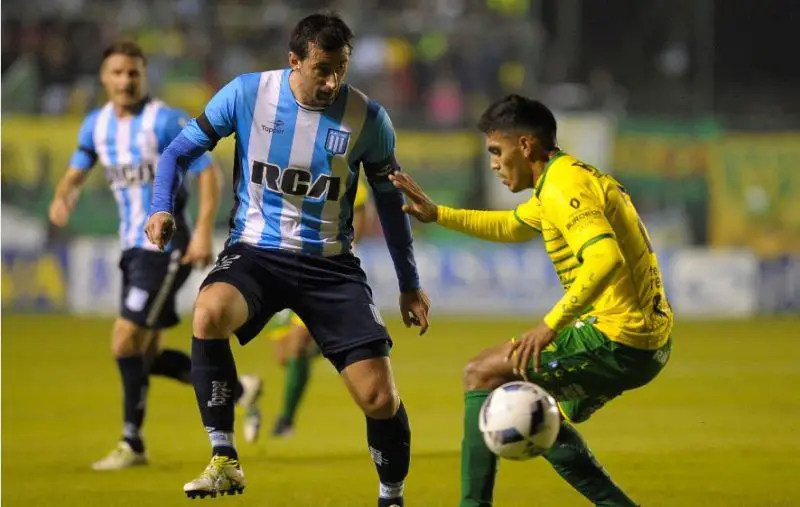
{"x": 336, "y": 142}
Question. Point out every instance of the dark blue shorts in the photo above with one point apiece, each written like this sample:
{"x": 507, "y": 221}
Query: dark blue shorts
{"x": 150, "y": 282}
{"x": 330, "y": 294}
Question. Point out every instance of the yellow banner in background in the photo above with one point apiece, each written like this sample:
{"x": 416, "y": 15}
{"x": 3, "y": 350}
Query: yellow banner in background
{"x": 37, "y": 150}
{"x": 755, "y": 192}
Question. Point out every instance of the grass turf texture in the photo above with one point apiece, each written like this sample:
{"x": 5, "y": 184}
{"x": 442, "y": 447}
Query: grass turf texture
{"x": 719, "y": 427}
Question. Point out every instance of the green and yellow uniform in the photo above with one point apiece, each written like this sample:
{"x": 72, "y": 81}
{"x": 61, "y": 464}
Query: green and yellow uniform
{"x": 574, "y": 208}
{"x": 613, "y": 323}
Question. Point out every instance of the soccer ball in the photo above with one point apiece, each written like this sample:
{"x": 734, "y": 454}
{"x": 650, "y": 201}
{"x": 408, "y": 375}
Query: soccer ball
{"x": 519, "y": 421}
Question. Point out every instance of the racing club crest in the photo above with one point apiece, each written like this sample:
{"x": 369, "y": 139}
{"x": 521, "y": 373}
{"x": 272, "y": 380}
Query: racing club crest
{"x": 336, "y": 142}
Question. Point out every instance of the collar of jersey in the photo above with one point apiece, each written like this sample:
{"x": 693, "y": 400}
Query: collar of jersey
{"x": 540, "y": 184}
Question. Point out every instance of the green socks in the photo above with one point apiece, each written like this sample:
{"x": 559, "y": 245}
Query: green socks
{"x": 478, "y": 463}
{"x": 570, "y": 457}
{"x": 576, "y": 464}
{"x": 297, "y": 373}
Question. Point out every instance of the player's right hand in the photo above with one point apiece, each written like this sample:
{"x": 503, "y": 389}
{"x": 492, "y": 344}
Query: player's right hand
{"x": 419, "y": 205}
{"x": 160, "y": 229}
{"x": 414, "y": 308}
{"x": 59, "y": 213}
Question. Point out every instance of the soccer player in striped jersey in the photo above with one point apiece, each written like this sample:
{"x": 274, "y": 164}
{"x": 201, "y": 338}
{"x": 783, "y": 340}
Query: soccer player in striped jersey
{"x": 127, "y": 136}
{"x": 611, "y": 330}
{"x": 295, "y": 346}
{"x": 302, "y": 137}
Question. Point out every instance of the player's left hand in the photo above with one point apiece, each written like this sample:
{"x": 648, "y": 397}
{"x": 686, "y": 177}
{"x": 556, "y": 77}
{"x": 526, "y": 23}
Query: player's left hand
{"x": 531, "y": 343}
{"x": 199, "y": 253}
{"x": 414, "y": 306}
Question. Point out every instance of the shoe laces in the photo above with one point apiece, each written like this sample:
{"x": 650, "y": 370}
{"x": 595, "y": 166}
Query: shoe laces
{"x": 218, "y": 462}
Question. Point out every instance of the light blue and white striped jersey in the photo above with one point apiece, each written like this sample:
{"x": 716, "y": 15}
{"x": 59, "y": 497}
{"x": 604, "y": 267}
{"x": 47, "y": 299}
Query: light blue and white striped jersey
{"x": 128, "y": 149}
{"x": 296, "y": 169}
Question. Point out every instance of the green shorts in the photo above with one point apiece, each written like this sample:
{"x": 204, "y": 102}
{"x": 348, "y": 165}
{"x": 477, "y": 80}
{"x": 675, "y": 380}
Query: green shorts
{"x": 584, "y": 370}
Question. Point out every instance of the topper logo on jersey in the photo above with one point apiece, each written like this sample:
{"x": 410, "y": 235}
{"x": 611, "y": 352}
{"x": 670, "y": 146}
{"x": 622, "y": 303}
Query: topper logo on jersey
{"x": 131, "y": 174}
{"x": 295, "y": 181}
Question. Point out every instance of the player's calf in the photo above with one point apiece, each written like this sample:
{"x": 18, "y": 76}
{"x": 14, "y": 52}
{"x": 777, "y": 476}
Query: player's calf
{"x": 371, "y": 384}
{"x": 128, "y": 344}
{"x": 220, "y": 309}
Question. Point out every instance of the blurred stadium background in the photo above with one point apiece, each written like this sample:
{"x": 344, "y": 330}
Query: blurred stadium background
{"x": 692, "y": 104}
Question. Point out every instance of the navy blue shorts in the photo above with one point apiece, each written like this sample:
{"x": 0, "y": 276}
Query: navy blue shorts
{"x": 330, "y": 294}
{"x": 150, "y": 282}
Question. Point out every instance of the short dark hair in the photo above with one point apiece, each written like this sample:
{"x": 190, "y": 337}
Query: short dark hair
{"x": 515, "y": 112}
{"x": 125, "y": 47}
{"x": 326, "y": 30}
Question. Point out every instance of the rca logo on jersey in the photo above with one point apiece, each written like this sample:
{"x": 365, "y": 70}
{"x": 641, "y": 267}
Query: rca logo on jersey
{"x": 131, "y": 174}
{"x": 336, "y": 142}
{"x": 295, "y": 181}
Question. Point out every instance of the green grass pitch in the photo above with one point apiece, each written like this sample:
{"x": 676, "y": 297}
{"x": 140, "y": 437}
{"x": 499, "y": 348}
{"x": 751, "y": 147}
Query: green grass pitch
{"x": 719, "y": 427}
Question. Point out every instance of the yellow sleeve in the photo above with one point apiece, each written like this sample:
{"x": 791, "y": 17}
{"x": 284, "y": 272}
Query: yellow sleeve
{"x": 576, "y": 208}
{"x": 601, "y": 261}
{"x": 508, "y": 226}
{"x": 362, "y": 194}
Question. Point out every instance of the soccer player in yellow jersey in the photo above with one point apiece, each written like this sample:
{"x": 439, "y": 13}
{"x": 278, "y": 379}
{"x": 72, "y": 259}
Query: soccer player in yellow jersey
{"x": 609, "y": 333}
{"x": 294, "y": 345}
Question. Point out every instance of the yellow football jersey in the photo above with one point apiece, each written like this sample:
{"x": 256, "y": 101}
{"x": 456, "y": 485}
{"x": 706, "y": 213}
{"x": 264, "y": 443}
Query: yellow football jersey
{"x": 575, "y": 205}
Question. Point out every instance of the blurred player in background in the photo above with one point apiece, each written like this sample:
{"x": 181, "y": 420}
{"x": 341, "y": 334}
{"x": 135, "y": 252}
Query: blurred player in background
{"x": 609, "y": 333}
{"x": 127, "y": 136}
{"x": 302, "y": 137}
{"x": 294, "y": 345}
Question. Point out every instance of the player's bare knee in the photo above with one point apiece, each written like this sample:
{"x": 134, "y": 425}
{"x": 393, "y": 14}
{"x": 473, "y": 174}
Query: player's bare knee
{"x": 220, "y": 309}
{"x": 379, "y": 403}
{"x": 485, "y": 372}
{"x": 210, "y": 321}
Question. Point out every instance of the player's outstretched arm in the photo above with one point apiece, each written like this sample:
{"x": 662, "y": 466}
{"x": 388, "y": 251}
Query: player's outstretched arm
{"x": 499, "y": 226}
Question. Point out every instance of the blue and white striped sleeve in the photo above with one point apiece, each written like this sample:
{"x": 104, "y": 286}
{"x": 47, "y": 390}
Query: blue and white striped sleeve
{"x": 218, "y": 120}
{"x": 85, "y": 154}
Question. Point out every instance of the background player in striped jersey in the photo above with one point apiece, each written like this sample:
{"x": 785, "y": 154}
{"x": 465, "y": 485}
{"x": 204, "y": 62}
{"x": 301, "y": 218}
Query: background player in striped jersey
{"x": 294, "y": 345}
{"x": 127, "y": 136}
{"x": 611, "y": 330}
{"x": 302, "y": 137}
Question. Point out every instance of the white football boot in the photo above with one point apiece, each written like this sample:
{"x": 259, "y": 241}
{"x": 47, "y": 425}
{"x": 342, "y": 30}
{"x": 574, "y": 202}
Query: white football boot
{"x": 222, "y": 475}
{"x": 123, "y": 456}
{"x": 252, "y": 390}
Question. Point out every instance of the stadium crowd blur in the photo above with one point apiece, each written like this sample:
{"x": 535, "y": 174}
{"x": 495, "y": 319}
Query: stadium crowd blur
{"x": 431, "y": 62}
{"x": 666, "y": 78}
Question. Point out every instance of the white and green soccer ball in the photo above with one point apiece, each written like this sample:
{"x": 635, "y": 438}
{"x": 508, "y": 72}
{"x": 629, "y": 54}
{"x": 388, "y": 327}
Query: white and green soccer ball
{"x": 519, "y": 421}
